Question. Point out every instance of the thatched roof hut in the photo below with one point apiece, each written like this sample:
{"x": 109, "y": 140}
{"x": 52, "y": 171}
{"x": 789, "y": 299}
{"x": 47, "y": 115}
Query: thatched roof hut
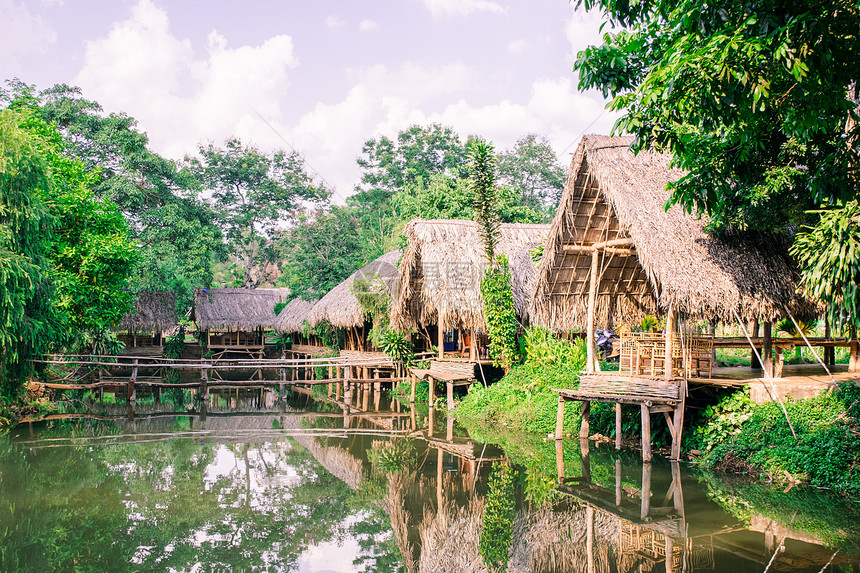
{"x": 655, "y": 258}
{"x": 443, "y": 266}
{"x": 292, "y": 316}
{"x": 237, "y": 308}
{"x": 340, "y": 307}
{"x": 154, "y": 311}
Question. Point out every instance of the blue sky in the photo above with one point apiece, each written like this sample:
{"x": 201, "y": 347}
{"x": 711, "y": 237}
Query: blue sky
{"x": 322, "y": 76}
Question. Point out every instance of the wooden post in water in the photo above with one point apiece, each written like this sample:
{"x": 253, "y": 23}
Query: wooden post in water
{"x": 559, "y": 419}
{"x": 589, "y": 538}
{"x": 432, "y": 383}
{"x": 584, "y": 426}
{"x": 131, "y": 392}
{"x": 204, "y": 384}
{"x": 646, "y": 433}
{"x": 618, "y": 489}
{"x": 282, "y": 387}
{"x": 618, "y": 426}
{"x": 347, "y": 391}
{"x": 646, "y": 491}
{"x": 414, "y": 380}
{"x": 449, "y": 390}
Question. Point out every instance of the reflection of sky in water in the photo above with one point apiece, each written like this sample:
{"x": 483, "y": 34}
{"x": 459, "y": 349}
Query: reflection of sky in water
{"x": 332, "y": 557}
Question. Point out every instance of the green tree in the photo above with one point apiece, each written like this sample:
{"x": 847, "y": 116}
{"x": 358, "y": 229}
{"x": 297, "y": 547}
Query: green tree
{"x": 175, "y": 230}
{"x": 531, "y": 168}
{"x": 757, "y": 103}
{"x": 417, "y": 153}
{"x": 253, "y": 191}
{"x": 25, "y": 222}
{"x": 320, "y": 251}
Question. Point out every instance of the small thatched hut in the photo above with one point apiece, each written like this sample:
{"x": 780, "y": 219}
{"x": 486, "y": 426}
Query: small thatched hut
{"x": 341, "y": 308}
{"x": 291, "y": 320}
{"x": 142, "y": 328}
{"x": 614, "y": 252}
{"x": 440, "y": 278}
{"x": 236, "y": 319}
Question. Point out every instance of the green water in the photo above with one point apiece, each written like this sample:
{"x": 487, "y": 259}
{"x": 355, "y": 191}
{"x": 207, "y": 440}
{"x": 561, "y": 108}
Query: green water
{"x": 251, "y": 484}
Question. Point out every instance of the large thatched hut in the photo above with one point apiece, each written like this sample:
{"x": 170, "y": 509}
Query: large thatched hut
{"x": 236, "y": 319}
{"x": 291, "y": 321}
{"x": 439, "y": 288}
{"x": 142, "y": 328}
{"x": 341, "y": 308}
{"x": 615, "y": 253}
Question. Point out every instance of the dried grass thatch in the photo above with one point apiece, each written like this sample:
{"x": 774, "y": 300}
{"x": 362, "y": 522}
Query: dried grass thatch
{"x": 237, "y": 308}
{"x": 340, "y": 307}
{"x": 154, "y": 311}
{"x": 292, "y": 316}
{"x": 612, "y": 193}
{"x": 443, "y": 266}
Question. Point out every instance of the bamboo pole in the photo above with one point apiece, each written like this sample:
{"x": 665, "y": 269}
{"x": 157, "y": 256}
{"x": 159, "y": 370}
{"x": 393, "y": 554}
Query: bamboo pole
{"x": 591, "y": 350}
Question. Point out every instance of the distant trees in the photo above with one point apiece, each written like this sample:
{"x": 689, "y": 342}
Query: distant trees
{"x": 253, "y": 191}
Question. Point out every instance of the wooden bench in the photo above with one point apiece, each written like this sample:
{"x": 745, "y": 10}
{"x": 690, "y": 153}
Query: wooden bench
{"x": 652, "y": 394}
{"x": 452, "y": 373}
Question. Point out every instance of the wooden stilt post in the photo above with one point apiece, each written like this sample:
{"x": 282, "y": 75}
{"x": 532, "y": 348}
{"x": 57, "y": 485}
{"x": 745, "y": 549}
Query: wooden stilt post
{"x": 767, "y": 350}
{"x": 854, "y": 358}
{"x": 591, "y": 364}
{"x": 559, "y": 460}
{"x": 559, "y": 419}
{"x": 755, "y": 363}
{"x": 584, "y": 427}
{"x": 618, "y": 426}
{"x": 618, "y": 489}
{"x": 646, "y": 433}
{"x": 829, "y": 351}
{"x": 432, "y": 383}
{"x": 131, "y": 392}
{"x": 670, "y": 343}
{"x": 347, "y": 392}
{"x": 204, "y": 384}
{"x": 646, "y": 491}
{"x": 414, "y": 380}
{"x": 449, "y": 390}
{"x": 589, "y": 538}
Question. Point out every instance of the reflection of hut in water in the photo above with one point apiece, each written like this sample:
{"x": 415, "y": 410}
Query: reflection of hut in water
{"x": 341, "y": 308}
{"x": 292, "y": 320}
{"x": 439, "y": 285}
{"x": 142, "y": 328}
{"x": 235, "y": 320}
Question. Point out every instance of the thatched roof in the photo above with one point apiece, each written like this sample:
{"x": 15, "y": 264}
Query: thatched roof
{"x": 340, "y": 307}
{"x": 613, "y": 194}
{"x": 153, "y": 311}
{"x": 237, "y": 308}
{"x": 443, "y": 266}
{"x": 292, "y": 316}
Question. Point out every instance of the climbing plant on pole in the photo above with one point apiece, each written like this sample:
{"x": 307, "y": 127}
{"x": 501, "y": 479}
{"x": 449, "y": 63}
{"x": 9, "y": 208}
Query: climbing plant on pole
{"x": 496, "y": 291}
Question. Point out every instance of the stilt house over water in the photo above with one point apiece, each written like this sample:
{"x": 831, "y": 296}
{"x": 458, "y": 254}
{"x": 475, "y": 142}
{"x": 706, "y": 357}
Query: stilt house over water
{"x": 291, "y": 321}
{"x": 142, "y": 328}
{"x": 440, "y": 276}
{"x": 235, "y": 320}
{"x": 341, "y": 308}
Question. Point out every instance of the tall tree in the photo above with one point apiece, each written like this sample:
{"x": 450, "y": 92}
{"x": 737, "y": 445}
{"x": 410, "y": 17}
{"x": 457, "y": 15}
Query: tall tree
{"x": 175, "y": 229}
{"x": 532, "y": 169}
{"x": 757, "y": 102}
{"x": 253, "y": 192}
{"x": 320, "y": 251}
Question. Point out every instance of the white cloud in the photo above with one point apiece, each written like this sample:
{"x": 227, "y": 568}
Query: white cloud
{"x": 333, "y": 22}
{"x": 449, "y": 8}
{"x": 583, "y": 29}
{"x": 22, "y": 32}
{"x": 518, "y": 46}
{"x": 178, "y": 98}
{"x": 368, "y": 25}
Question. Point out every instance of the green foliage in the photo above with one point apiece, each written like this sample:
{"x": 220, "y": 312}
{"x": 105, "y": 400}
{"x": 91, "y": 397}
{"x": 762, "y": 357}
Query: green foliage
{"x": 543, "y": 347}
{"x": 398, "y": 455}
{"x": 829, "y": 257}
{"x": 328, "y": 334}
{"x": 532, "y": 169}
{"x": 253, "y": 191}
{"x": 279, "y": 306}
{"x": 102, "y": 342}
{"x": 321, "y": 372}
{"x": 499, "y": 512}
{"x": 723, "y": 422}
{"x": 175, "y": 345}
{"x": 395, "y": 344}
{"x": 649, "y": 324}
{"x": 826, "y": 453}
{"x": 25, "y": 287}
{"x": 482, "y": 183}
{"x": 753, "y": 100}
{"x": 500, "y": 314}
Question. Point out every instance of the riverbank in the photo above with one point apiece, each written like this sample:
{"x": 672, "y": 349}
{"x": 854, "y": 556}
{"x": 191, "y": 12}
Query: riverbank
{"x": 819, "y": 447}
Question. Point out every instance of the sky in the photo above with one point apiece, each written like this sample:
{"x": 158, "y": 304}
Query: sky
{"x": 321, "y": 77}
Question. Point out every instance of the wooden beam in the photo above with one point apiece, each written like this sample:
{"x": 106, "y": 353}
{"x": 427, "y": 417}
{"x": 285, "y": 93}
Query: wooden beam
{"x": 591, "y": 249}
{"x": 591, "y": 349}
{"x": 614, "y": 243}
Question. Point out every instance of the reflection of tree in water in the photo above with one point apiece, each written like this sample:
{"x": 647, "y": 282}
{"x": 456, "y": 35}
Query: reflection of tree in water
{"x": 168, "y": 504}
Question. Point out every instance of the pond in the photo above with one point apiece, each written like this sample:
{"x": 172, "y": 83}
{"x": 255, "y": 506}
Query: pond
{"x": 250, "y": 483}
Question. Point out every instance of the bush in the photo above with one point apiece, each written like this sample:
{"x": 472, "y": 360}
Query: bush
{"x": 825, "y": 454}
